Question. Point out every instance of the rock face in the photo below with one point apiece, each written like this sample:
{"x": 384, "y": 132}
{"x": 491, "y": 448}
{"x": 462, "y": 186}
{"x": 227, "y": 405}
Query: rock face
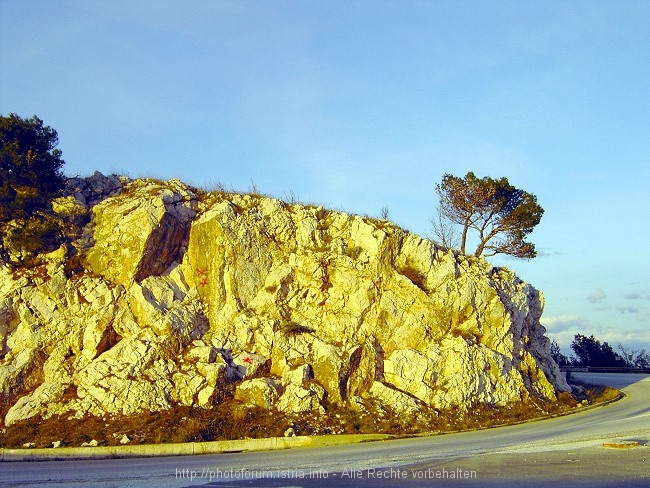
{"x": 184, "y": 293}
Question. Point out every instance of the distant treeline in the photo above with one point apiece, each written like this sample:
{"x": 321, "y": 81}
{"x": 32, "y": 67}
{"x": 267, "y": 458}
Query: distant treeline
{"x": 589, "y": 352}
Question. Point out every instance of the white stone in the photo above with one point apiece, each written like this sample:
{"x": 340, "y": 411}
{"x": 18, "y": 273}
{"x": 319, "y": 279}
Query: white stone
{"x": 395, "y": 399}
{"x": 250, "y": 364}
{"x": 297, "y": 399}
{"x": 261, "y": 392}
{"x": 298, "y": 376}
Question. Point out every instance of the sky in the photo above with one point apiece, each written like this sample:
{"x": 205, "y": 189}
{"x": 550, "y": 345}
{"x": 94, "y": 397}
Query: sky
{"x": 367, "y": 104}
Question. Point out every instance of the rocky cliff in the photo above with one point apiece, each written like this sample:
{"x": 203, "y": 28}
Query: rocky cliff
{"x": 177, "y": 295}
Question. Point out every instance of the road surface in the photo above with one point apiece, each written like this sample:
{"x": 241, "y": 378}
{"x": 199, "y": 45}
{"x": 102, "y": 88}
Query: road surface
{"x": 556, "y": 452}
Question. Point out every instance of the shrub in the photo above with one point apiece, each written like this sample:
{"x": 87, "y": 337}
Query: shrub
{"x": 26, "y": 238}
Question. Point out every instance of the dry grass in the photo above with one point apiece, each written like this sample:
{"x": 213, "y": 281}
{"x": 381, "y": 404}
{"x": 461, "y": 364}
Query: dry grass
{"x": 599, "y": 394}
{"x": 414, "y": 277}
{"x": 178, "y": 424}
{"x": 593, "y": 393}
{"x": 232, "y": 420}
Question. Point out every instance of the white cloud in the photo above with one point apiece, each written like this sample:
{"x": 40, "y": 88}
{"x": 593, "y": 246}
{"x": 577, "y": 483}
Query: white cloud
{"x": 637, "y": 295}
{"x": 563, "y": 328}
{"x": 628, "y": 309}
{"x": 597, "y": 296}
{"x": 642, "y": 315}
{"x": 560, "y": 323}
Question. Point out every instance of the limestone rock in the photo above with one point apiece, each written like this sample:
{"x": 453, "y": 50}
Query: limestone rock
{"x": 298, "y": 376}
{"x": 260, "y": 392}
{"x": 34, "y": 403}
{"x": 396, "y": 399}
{"x": 186, "y": 294}
{"x": 98, "y": 338}
{"x": 249, "y": 364}
{"x": 141, "y": 231}
{"x": 200, "y": 352}
{"x": 68, "y": 206}
{"x": 297, "y": 399}
{"x": 186, "y": 388}
{"x": 89, "y": 191}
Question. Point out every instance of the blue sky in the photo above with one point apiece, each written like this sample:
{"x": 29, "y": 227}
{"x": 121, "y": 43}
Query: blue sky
{"x": 366, "y": 104}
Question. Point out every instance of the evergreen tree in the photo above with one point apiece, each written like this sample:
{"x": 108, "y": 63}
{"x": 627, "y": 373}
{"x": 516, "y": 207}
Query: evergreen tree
{"x": 502, "y": 215}
{"x": 590, "y": 352}
{"x": 30, "y": 166}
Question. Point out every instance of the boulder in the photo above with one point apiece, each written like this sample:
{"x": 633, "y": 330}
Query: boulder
{"x": 298, "y": 399}
{"x": 141, "y": 231}
{"x": 259, "y": 392}
{"x": 397, "y": 400}
{"x": 91, "y": 190}
{"x": 298, "y": 376}
{"x": 249, "y": 364}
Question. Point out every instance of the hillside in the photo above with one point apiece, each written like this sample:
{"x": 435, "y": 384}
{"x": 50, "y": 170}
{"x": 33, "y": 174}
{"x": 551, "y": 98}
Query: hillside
{"x": 172, "y": 297}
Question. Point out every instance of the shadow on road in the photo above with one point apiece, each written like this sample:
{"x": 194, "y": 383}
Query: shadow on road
{"x": 532, "y": 482}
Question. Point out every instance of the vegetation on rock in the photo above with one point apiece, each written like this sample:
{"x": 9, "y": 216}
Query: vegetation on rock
{"x": 502, "y": 215}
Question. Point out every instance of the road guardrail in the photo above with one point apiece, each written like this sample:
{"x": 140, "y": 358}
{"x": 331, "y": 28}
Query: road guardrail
{"x": 598, "y": 369}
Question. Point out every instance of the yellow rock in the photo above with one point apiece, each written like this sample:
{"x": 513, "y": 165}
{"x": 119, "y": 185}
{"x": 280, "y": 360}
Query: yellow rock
{"x": 186, "y": 293}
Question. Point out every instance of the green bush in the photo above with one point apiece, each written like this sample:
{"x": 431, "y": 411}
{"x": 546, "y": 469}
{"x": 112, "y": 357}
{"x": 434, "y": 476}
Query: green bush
{"x": 26, "y": 238}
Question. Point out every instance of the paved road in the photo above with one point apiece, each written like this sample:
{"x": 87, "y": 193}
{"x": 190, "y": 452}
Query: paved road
{"x": 554, "y": 452}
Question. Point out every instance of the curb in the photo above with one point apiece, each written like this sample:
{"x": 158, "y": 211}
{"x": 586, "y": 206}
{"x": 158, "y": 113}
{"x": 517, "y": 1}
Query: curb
{"x": 185, "y": 449}
{"x": 622, "y": 445}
